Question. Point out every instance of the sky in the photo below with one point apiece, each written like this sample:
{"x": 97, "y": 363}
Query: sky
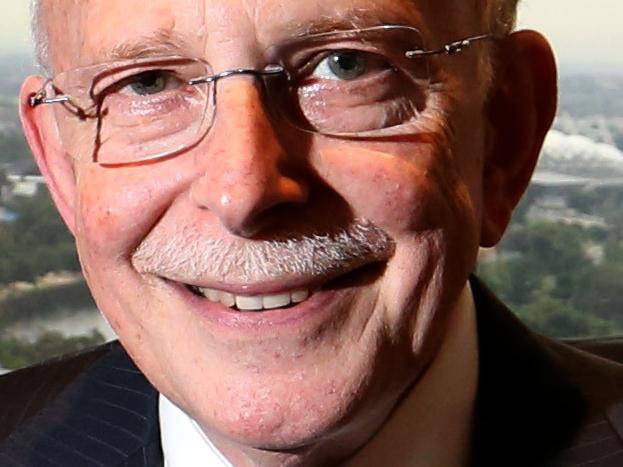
{"x": 587, "y": 35}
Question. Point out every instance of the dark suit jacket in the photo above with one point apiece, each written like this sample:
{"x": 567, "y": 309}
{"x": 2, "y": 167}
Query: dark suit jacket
{"x": 540, "y": 403}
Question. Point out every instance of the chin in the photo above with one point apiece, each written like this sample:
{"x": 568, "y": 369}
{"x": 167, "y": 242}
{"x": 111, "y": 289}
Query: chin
{"x": 276, "y": 413}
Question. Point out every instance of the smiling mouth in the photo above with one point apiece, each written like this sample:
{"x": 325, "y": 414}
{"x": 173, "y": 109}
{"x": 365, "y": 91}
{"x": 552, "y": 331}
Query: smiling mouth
{"x": 286, "y": 299}
{"x": 254, "y": 302}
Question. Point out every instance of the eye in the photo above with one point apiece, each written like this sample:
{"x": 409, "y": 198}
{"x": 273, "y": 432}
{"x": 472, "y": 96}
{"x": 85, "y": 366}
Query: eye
{"x": 148, "y": 83}
{"x": 342, "y": 65}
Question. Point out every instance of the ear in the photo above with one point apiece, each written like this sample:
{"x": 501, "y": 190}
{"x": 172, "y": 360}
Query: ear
{"x": 520, "y": 111}
{"x": 42, "y": 134}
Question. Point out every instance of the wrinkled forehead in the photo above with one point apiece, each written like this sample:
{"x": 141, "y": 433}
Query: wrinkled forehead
{"x": 84, "y": 32}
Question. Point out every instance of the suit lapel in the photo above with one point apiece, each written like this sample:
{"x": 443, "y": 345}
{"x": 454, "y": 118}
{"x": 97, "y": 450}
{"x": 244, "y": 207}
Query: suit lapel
{"x": 106, "y": 417}
{"x": 526, "y": 408}
{"x": 529, "y": 412}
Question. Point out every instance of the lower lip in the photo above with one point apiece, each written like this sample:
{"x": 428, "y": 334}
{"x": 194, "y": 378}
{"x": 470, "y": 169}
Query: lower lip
{"x": 316, "y": 309}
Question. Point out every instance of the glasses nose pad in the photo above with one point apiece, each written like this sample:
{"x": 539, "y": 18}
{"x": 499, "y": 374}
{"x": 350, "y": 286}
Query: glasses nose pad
{"x": 269, "y": 86}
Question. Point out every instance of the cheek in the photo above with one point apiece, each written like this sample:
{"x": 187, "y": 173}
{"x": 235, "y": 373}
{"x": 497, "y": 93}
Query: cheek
{"x": 117, "y": 208}
{"x": 401, "y": 194}
{"x": 377, "y": 186}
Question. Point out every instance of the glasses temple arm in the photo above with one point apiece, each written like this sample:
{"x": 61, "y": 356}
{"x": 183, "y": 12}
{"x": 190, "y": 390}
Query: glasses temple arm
{"x": 449, "y": 49}
{"x": 36, "y": 100}
{"x": 40, "y": 98}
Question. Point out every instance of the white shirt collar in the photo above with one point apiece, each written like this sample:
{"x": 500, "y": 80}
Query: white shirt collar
{"x": 183, "y": 443}
{"x": 425, "y": 430}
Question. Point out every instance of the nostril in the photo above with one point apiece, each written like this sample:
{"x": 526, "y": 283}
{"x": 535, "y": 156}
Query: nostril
{"x": 249, "y": 231}
{"x": 292, "y": 191}
{"x": 251, "y": 213}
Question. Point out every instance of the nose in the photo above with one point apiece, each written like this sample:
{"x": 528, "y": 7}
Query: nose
{"x": 245, "y": 163}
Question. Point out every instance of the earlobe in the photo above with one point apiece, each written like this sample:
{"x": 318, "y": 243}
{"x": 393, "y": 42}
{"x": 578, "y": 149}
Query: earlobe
{"x": 520, "y": 111}
{"x": 42, "y": 134}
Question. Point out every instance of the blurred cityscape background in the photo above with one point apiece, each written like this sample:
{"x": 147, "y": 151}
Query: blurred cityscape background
{"x": 560, "y": 266}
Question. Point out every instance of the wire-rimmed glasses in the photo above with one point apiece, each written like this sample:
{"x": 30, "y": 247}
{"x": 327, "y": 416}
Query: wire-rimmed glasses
{"x": 360, "y": 83}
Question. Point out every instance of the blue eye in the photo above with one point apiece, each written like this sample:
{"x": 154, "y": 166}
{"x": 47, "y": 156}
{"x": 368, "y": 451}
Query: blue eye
{"x": 147, "y": 83}
{"x": 343, "y": 65}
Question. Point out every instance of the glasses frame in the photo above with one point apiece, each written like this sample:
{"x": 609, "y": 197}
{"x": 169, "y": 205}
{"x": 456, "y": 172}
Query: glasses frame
{"x": 273, "y": 69}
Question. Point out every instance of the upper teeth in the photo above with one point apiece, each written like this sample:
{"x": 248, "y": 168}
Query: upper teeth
{"x": 256, "y": 302}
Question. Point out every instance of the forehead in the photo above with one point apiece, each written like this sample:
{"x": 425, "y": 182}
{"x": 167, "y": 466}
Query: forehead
{"x": 93, "y": 31}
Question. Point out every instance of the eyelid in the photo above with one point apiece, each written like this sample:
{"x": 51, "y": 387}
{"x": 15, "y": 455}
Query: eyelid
{"x": 303, "y": 56}
{"x": 120, "y": 80}
{"x": 373, "y": 63}
{"x": 310, "y": 64}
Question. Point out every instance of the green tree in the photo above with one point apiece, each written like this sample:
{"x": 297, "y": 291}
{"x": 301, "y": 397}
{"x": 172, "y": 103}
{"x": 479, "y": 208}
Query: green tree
{"x": 556, "y": 318}
{"x": 15, "y": 353}
{"x": 599, "y": 290}
{"x": 514, "y": 278}
{"x": 36, "y": 243}
{"x": 13, "y": 147}
{"x": 551, "y": 250}
{"x": 543, "y": 273}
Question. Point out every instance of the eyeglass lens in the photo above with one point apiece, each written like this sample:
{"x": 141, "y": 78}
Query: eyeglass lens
{"x": 350, "y": 83}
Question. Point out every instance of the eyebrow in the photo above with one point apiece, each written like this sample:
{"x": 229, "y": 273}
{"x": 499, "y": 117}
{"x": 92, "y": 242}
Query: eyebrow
{"x": 159, "y": 42}
{"x": 163, "y": 42}
{"x": 357, "y": 19}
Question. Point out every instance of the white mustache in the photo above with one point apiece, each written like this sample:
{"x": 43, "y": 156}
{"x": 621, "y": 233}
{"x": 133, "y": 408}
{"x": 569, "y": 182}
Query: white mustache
{"x": 189, "y": 255}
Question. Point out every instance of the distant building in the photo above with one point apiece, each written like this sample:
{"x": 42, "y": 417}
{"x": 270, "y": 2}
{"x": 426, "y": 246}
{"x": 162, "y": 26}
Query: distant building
{"x": 20, "y": 167}
{"x": 553, "y": 208}
{"x": 569, "y": 163}
{"x": 599, "y": 128}
{"x": 26, "y": 185}
{"x": 578, "y": 161}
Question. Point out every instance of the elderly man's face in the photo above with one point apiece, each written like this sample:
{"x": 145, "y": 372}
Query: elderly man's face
{"x": 370, "y": 242}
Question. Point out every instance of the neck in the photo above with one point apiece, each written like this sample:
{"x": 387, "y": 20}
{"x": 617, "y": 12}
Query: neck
{"x": 432, "y": 424}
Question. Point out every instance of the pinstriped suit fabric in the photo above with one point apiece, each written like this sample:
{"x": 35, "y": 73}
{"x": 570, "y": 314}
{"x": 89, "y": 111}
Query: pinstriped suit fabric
{"x": 106, "y": 417}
